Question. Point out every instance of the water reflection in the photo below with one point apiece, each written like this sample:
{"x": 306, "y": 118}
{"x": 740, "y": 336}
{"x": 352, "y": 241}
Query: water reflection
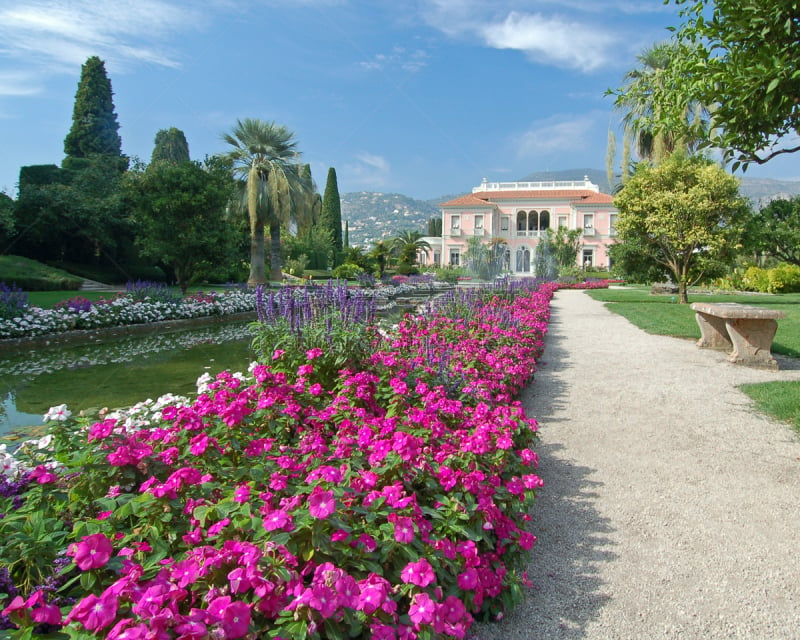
{"x": 115, "y": 374}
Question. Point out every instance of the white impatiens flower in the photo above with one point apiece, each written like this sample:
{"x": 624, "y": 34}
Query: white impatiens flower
{"x": 59, "y": 414}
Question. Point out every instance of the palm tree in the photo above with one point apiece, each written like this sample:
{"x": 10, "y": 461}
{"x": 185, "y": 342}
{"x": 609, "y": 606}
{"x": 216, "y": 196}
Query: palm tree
{"x": 405, "y": 246}
{"x": 635, "y": 99}
{"x": 265, "y": 163}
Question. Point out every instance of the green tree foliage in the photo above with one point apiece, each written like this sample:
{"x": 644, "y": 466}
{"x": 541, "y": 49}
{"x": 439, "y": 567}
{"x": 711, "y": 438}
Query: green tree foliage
{"x": 380, "y": 256}
{"x": 775, "y": 230}
{"x": 170, "y": 145}
{"x": 95, "y": 127}
{"x": 636, "y": 102}
{"x": 265, "y": 163}
{"x": 180, "y": 216}
{"x": 84, "y": 205}
{"x": 686, "y": 214}
{"x": 332, "y": 213}
{"x": 435, "y": 227}
{"x": 740, "y": 58}
{"x": 6, "y": 220}
{"x": 404, "y": 248}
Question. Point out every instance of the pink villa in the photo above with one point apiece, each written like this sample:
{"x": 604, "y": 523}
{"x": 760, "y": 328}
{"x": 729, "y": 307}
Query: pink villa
{"x": 519, "y": 213}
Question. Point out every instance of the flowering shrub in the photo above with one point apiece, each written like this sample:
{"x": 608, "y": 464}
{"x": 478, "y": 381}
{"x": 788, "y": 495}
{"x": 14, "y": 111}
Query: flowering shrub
{"x": 123, "y": 310}
{"x": 384, "y": 505}
{"x": 587, "y": 284}
{"x": 13, "y": 300}
{"x": 78, "y": 304}
{"x": 331, "y": 325}
{"x": 148, "y": 291}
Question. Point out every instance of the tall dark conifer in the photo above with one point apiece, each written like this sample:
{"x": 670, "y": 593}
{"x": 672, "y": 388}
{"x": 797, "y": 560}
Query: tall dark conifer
{"x": 94, "y": 123}
{"x": 332, "y": 213}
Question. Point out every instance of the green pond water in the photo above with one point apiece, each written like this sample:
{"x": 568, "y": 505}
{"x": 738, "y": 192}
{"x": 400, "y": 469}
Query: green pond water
{"x": 114, "y": 374}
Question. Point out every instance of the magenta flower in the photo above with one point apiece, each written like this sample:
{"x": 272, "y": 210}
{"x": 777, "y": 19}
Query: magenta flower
{"x": 419, "y": 573}
{"x": 236, "y": 620}
{"x": 468, "y": 580}
{"x": 404, "y": 529}
{"x": 92, "y": 552}
{"x": 316, "y": 352}
{"x": 43, "y": 475}
{"x": 94, "y": 613}
{"x": 422, "y": 609}
{"x": 278, "y": 519}
{"x": 321, "y": 504}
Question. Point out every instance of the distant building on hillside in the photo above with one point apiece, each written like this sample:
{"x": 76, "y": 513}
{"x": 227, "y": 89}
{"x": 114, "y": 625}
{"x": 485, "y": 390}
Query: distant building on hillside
{"x": 519, "y": 213}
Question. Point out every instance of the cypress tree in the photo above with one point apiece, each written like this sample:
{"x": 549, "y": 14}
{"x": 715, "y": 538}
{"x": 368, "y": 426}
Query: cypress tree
{"x": 332, "y": 213}
{"x": 94, "y": 123}
{"x": 346, "y": 240}
{"x": 170, "y": 145}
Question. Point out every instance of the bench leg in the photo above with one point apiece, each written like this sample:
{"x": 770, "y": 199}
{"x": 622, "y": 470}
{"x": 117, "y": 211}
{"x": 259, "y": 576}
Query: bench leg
{"x": 752, "y": 342}
{"x": 713, "y": 332}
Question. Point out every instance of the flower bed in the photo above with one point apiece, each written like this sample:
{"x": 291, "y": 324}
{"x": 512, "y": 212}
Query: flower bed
{"x": 587, "y": 284}
{"x": 390, "y": 504}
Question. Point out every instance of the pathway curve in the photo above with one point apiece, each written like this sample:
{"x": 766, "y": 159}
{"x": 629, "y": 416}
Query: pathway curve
{"x": 671, "y": 509}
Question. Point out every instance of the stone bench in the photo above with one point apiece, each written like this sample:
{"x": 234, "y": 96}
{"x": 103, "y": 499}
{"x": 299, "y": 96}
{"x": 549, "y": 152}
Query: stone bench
{"x": 747, "y": 331}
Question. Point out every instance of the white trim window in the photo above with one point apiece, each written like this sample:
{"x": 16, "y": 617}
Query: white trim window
{"x": 588, "y": 224}
{"x": 455, "y": 257}
{"x": 478, "y": 226}
{"x": 455, "y": 222}
{"x": 562, "y": 222}
{"x": 504, "y": 223}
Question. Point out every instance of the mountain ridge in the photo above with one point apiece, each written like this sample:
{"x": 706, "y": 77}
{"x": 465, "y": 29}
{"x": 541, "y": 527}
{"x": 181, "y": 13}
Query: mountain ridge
{"x": 376, "y": 215}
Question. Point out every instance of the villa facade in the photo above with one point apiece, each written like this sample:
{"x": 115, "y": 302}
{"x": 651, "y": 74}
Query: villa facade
{"x": 519, "y": 214}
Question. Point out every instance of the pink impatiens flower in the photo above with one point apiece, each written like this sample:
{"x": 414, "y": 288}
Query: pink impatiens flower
{"x": 92, "y": 552}
{"x": 419, "y": 573}
{"x": 321, "y": 504}
{"x": 422, "y": 609}
{"x": 403, "y": 528}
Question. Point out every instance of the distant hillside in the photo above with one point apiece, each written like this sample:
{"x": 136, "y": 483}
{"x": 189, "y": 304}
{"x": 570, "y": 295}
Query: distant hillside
{"x": 377, "y": 216}
{"x": 374, "y": 216}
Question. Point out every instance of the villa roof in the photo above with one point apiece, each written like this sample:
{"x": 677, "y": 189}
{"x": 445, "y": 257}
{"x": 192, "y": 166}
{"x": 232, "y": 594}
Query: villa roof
{"x": 469, "y": 200}
{"x": 483, "y": 198}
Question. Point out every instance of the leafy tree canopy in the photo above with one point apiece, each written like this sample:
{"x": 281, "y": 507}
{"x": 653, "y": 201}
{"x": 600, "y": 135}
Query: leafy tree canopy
{"x": 180, "y": 216}
{"x": 738, "y": 57}
{"x": 775, "y": 230}
{"x": 685, "y": 213}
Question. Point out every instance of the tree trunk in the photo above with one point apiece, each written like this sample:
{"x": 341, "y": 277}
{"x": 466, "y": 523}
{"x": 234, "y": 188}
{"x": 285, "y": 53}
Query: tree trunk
{"x": 275, "y": 273}
{"x": 683, "y": 292}
{"x": 257, "y": 265}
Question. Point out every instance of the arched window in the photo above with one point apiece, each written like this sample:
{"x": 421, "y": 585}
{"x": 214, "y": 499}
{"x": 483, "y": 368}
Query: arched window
{"x": 544, "y": 220}
{"x": 533, "y": 221}
{"x": 523, "y": 259}
{"x": 521, "y": 223}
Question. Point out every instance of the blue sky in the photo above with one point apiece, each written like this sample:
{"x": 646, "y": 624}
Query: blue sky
{"x": 421, "y": 97}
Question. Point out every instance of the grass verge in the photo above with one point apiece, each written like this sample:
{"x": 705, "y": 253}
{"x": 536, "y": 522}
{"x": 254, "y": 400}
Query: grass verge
{"x": 781, "y": 400}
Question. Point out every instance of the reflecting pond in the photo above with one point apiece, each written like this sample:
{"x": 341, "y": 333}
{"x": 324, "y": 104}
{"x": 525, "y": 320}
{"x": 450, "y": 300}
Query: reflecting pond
{"x": 116, "y": 373}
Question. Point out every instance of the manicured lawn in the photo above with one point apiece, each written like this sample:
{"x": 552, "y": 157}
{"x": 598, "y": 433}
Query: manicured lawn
{"x": 660, "y": 315}
{"x": 780, "y": 400}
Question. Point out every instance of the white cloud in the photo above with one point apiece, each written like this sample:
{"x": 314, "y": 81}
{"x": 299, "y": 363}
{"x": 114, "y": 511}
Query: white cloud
{"x": 559, "y": 134}
{"x": 13, "y": 83}
{"x": 551, "y": 40}
{"x": 368, "y": 172}
{"x": 399, "y": 58}
{"x": 578, "y": 41}
{"x": 60, "y": 34}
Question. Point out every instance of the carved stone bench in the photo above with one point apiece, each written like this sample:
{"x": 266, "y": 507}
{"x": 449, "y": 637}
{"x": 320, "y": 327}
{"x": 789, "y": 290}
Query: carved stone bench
{"x": 747, "y": 331}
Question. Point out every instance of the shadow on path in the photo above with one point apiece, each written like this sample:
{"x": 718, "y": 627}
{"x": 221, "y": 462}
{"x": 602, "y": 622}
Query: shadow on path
{"x": 573, "y": 539}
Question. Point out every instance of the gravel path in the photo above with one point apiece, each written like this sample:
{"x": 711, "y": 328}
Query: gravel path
{"x": 671, "y": 509}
